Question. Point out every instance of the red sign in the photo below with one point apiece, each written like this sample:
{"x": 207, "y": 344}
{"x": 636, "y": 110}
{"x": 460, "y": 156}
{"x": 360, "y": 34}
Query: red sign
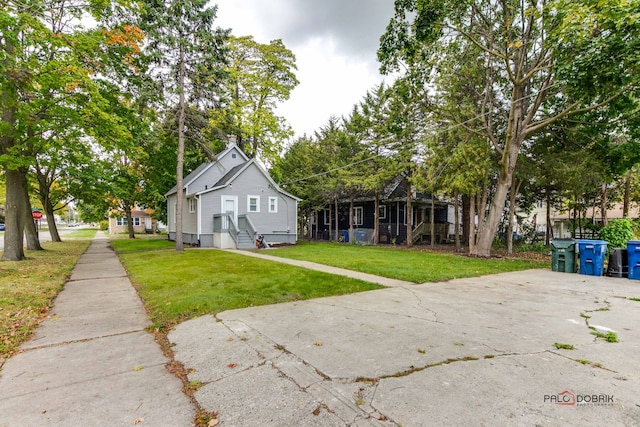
{"x": 36, "y": 215}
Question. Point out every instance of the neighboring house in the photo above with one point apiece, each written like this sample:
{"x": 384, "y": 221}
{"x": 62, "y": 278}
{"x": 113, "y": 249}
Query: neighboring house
{"x": 142, "y": 222}
{"x": 392, "y": 219}
{"x": 230, "y": 202}
{"x": 562, "y": 222}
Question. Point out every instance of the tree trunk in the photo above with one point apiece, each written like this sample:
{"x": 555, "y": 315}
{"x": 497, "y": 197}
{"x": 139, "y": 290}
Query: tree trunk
{"x": 512, "y": 213}
{"x": 330, "y": 224}
{"x": 409, "y": 214}
{"x": 49, "y": 212}
{"x": 14, "y": 216}
{"x": 376, "y": 219}
{"x": 127, "y": 213}
{"x": 432, "y": 220}
{"x": 336, "y": 215}
{"x": 30, "y": 230}
{"x": 627, "y": 195}
{"x": 180, "y": 161}
{"x": 466, "y": 202}
{"x": 456, "y": 221}
{"x": 513, "y": 141}
{"x": 481, "y": 206}
{"x": 603, "y": 204}
{"x": 472, "y": 224}
{"x": 548, "y": 235}
{"x": 352, "y": 236}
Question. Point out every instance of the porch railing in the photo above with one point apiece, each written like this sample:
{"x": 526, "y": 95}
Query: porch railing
{"x": 244, "y": 223}
{"x": 224, "y": 223}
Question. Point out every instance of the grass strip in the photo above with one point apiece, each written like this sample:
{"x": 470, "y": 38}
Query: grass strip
{"x": 411, "y": 264}
{"x": 83, "y": 233}
{"x": 27, "y": 289}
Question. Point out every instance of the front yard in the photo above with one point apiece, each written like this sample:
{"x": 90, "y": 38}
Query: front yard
{"x": 177, "y": 286}
{"x": 413, "y": 265}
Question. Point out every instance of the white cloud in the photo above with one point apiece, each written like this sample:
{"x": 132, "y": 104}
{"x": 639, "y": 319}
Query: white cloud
{"x": 335, "y": 44}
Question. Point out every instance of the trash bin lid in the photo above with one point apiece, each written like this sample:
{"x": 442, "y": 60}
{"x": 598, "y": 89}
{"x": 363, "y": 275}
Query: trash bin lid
{"x": 562, "y": 243}
{"x": 593, "y": 242}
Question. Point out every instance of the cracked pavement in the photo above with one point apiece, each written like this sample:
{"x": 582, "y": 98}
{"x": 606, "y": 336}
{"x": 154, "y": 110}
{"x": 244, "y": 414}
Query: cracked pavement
{"x": 476, "y": 351}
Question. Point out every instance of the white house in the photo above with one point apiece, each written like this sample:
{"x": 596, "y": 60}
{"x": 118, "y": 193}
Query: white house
{"x": 230, "y": 202}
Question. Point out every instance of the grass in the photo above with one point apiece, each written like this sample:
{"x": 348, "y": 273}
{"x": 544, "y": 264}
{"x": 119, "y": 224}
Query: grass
{"x": 27, "y": 289}
{"x": 608, "y": 337}
{"x": 561, "y": 346}
{"x": 141, "y": 244}
{"x": 413, "y": 265}
{"x": 180, "y": 285}
{"x": 82, "y": 233}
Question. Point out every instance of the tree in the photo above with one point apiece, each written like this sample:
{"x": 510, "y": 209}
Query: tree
{"x": 48, "y": 71}
{"x": 260, "y": 77}
{"x": 190, "y": 55}
{"x": 543, "y": 61}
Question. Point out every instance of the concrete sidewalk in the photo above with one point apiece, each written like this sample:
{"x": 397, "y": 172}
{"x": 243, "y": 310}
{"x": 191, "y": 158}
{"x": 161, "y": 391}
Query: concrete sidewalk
{"x": 383, "y": 281}
{"x": 91, "y": 362}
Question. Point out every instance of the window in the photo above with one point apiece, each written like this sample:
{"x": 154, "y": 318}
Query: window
{"x": 273, "y": 204}
{"x": 382, "y": 212}
{"x": 123, "y": 221}
{"x": 253, "y": 203}
{"x": 233, "y": 155}
{"x": 327, "y": 217}
{"x": 357, "y": 215}
{"x": 175, "y": 212}
{"x": 193, "y": 205}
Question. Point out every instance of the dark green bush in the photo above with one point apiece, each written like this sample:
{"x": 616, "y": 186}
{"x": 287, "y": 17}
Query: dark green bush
{"x": 618, "y": 232}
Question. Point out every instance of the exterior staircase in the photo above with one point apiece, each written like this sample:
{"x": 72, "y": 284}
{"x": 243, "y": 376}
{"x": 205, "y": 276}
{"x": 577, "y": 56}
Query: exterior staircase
{"x": 245, "y": 241}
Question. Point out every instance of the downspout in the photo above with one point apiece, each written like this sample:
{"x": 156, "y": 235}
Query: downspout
{"x": 198, "y": 218}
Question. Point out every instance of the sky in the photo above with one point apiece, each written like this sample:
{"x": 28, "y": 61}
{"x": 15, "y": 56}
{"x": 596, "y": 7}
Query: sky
{"x": 335, "y": 44}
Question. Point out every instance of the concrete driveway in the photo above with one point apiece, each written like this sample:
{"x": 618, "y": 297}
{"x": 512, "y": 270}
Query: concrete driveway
{"x": 475, "y": 352}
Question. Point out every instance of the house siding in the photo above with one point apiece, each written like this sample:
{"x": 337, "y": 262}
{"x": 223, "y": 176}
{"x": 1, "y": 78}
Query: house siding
{"x": 216, "y": 171}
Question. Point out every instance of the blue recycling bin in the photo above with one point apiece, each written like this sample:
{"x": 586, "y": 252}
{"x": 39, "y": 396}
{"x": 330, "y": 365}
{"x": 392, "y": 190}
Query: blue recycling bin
{"x": 633, "y": 255}
{"x": 592, "y": 253}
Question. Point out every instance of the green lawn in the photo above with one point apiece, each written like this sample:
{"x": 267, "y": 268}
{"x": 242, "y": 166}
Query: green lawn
{"x": 414, "y": 265}
{"x": 180, "y": 285}
{"x": 141, "y": 244}
{"x": 27, "y": 289}
{"x": 82, "y": 233}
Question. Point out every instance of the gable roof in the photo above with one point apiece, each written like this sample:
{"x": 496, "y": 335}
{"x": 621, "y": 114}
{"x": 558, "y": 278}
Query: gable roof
{"x": 229, "y": 176}
{"x": 203, "y": 168}
{"x": 235, "y": 172}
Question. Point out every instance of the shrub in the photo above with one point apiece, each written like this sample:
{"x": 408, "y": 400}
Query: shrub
{"x": 618, "y": 232}
{"x": 104, "y": 225}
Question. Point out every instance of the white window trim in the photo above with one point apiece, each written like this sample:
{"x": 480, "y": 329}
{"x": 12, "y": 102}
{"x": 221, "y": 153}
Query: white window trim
{"x": 327, "y": 220}
{"x": 275, "y": 204}
{"x": 357, "y": 217}
{"x": 193, "y": 205}
{"x": 382, "y": 212}
{"x": 249, "y": 197}
{"x": 122, "y": 221}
